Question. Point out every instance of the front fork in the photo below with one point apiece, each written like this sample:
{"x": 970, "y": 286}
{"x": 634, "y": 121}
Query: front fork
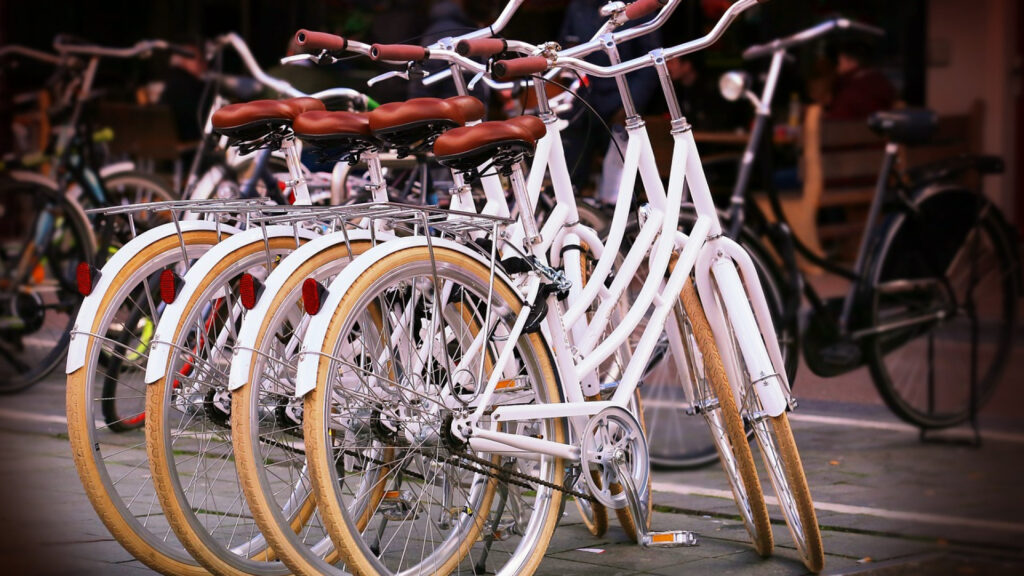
{"x": 741, "y": 322}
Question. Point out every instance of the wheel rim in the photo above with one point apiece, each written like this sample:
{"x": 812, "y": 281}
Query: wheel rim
{"x": 437, "y": 473}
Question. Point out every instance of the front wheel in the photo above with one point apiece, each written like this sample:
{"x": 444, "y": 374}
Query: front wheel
{"x": 42, "y": 241}
{"x": 782, "y": 461}
{"x": 944, "y": 297}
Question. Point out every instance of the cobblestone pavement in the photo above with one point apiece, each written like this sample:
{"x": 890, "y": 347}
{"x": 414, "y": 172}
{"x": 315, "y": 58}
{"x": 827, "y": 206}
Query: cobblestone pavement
{"x": 887, "y": 503}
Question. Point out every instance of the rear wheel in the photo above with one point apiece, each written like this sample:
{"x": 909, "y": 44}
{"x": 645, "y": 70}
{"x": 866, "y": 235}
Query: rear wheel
{"x": 381, "y": 386}
{"x": 945, "y": 295}
{"x": 188, "y": 414}
{"x": 266, "y": 418}
{"x": 113, "y": 466}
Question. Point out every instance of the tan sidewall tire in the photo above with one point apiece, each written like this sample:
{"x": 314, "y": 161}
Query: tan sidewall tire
{"x": 78, "y": 427}
{"x": 597, "y": 525}
{"x": 247, "y": 463}
{"x": 348, "y": 544}
{"x": 763, "y": 540}
{"x": 814, "y": 558}
{"x": 156, "y": 439}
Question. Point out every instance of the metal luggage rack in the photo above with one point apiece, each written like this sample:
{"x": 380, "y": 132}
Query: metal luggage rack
{"x": 197, "y": 206}
{"x": 395, "y": 216}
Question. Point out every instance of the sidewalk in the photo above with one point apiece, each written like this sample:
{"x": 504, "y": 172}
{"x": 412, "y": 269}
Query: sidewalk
{"x": 888, "y": 504}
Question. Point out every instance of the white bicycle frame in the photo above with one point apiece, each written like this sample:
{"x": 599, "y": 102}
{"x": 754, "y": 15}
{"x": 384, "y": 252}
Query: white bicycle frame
{"x": 725, "y": 277}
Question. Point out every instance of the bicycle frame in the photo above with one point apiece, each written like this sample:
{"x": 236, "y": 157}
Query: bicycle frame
{"x": 734, "y": 300}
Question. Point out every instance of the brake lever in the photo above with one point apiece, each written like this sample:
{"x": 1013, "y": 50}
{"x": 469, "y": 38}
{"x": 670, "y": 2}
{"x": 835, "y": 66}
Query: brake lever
{"x": 318, "y": 59}
{"x": 387, "y": 76}
{"x": 472, "y": 83}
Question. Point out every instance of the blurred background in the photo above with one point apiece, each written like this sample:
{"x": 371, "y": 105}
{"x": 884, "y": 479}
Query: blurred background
{"x": 887, "y": 494}
{"x": 959, "y": 58}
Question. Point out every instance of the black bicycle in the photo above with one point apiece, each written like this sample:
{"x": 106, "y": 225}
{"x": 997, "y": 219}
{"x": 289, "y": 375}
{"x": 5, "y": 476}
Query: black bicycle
{"x": 932, "y": 305}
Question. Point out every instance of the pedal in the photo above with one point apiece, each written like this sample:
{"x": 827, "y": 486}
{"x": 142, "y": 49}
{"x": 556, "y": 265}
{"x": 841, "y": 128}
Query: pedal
{"x": 637, "y": 505}
{"x": 397, "y": 506}
{"x": 670, "y": 539}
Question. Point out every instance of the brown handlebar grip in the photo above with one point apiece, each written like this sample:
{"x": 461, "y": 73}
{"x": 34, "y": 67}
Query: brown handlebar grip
{"x": 504, "y": 69}
{"x": 642, "y": 8}
{"x": 481, "y": 47}
{"x": 311, "y": 42}
{"x": 398, "y": 52}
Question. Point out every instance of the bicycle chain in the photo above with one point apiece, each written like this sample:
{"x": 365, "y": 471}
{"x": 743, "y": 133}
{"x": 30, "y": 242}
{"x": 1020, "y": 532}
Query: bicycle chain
{"x": 503, "y": 473}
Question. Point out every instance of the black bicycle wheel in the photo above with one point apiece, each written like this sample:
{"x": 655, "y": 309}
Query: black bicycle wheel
{"x": 42, "y": 240}
{"x": 944, "y": 294}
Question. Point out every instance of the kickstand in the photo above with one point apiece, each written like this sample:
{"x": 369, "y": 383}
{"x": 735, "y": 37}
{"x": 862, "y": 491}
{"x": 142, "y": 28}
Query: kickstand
{"x": 644, "y": 537}
{"x": 481, "y": 564}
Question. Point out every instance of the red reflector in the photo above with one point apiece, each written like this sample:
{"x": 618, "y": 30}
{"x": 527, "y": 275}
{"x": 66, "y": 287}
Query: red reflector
{"x": 282, "y": 185}
{"x": 249, "y": 290}
{"x": 312, "y": 296}
{"x": 291, "y": 197}
{"x": 87, "y": 276}
{"x": 170, "y": 283}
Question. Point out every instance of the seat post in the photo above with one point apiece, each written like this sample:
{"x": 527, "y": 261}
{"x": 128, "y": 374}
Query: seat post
{"x": 526, "y": 214}
{"x": 298, "y": 183}
{"x": 891, "y": 151}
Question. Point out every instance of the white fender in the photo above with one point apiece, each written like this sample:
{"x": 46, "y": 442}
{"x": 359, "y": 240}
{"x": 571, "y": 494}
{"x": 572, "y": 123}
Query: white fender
{"x": 241, "y": 364}
{"x": 115, "y": 168}
{"x": 316, "y": 332}
{"x": 34, "y": 178}
{"x": 163, "y": 336}
{"x": 90, "y": 306}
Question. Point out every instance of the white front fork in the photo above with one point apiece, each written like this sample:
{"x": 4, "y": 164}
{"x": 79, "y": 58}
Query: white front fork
{"x": 754, "y": 336}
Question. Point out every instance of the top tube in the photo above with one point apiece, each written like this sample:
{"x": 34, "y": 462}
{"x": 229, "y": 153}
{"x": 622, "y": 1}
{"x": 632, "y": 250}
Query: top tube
{"x": 804, "y": 36}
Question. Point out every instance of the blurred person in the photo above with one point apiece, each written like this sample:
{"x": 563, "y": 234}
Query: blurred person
{"x": 859, "y": 89}
{"x": 585, "y": 137}
{"x": 446, "y": 18}
{"x": 182, "y": 92}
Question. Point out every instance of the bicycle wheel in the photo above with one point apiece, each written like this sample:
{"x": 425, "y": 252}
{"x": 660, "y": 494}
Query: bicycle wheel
{"x": 944, "y": 295}
{"x": 782, "y": 461}
{"x": 113, "y": 466}
{"x": 785, "y": 470}
{"x": 727, "y": 430}
{"x": 266, "y": 418}
{"x": 43, "y": 240}
{"x": 385, "y": 369}
{"x": 675, "y": 439}
{"x": 188, "y": 407}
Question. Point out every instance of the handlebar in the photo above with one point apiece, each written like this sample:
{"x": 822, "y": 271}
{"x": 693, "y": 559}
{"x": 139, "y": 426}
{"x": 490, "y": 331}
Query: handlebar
{"x": 642, "y": 8}
{"x": 474, "y": 41}
{"x": 312, "y": 42}
{"x": 568, "y": 59}
{"x": 485, "y": 47}
{"x": 398, "y": 52}
{"x": 507, "y": 69}
{"x": 809, "y": 34}
{"x": 236, "y": 42}
{"x": 140, "y": 48}
{"x": 30, "y": 53}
